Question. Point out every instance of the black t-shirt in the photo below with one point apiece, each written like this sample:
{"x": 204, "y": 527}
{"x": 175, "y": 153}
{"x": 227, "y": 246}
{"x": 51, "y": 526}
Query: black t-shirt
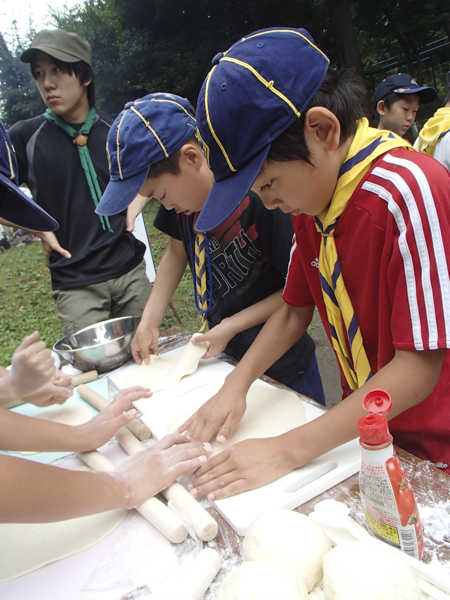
{"x": 249, "y": 255}
{"x": 49, "y": 164}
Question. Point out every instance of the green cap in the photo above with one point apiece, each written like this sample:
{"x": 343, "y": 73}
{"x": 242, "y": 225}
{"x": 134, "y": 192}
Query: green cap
{"x": 60, "y": 44}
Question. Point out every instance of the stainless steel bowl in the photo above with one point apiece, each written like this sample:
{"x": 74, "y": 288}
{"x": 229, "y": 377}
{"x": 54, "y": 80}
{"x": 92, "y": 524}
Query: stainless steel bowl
{"x": 103, "y": 346}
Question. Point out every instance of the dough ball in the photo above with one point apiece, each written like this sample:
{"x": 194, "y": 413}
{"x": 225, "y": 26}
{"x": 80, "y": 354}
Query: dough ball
{"x": 261, "y": 580}
{"x": 368, "y": 569}
{"x": 288, "y": 537}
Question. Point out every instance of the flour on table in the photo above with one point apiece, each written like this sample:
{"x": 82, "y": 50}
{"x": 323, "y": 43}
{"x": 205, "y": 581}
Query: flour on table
{"x": 270, "y": 412}
{"x": 163, "y": 373}
{"x": 67, "y": 414}
{"x": 25, "y": 547}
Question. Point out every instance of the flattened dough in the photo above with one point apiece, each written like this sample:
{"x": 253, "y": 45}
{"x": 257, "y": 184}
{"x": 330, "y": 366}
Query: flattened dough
{"x": 25, "y": 547}
{"x": 163, "y": 373}
{"x": 68, "y": 414}
{"x": 270, "y": 412}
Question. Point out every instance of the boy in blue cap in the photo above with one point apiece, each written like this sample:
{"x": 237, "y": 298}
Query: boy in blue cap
{"x": 396, "y": 102}
{"x": 33, "y": 492}
{"x": 371, "y": 251}
{"x": 153, "y": 149}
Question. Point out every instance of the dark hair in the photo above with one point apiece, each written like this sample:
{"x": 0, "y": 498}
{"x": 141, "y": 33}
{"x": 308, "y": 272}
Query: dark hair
{"x": 389, "y": 100}
{"x": 344, "y": 95}
{"x": 81, "y": 70}
{"x": 171, "y": 164}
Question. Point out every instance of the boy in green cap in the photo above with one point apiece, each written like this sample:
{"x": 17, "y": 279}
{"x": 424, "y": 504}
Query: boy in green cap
{"x": 96, "y": 265}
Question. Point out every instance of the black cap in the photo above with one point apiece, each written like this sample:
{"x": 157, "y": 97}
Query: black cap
{"x": 402, "y": 83}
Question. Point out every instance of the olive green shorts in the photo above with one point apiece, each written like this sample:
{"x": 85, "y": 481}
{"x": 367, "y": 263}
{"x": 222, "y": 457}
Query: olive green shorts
{"x": 121, "y": 297}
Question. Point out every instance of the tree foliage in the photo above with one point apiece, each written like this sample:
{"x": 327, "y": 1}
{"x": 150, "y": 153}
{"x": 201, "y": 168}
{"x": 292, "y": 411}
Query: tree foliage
{"x": 143, "y": 46}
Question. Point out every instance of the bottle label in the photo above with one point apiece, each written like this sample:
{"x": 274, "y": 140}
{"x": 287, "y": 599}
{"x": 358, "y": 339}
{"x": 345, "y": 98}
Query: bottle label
{"x": 388, "y": 502}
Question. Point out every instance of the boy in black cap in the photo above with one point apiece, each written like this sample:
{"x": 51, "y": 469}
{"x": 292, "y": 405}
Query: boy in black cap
{"x": 371, "y": 250}
{"x": 396, "y": 102}
{"x": 96, "y": 265}
{"x": 34, "y": 492}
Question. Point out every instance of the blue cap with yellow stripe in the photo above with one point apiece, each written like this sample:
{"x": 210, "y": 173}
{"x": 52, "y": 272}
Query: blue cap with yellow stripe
{"x": 145, "y": 132}
{"x": 254, "y": 91}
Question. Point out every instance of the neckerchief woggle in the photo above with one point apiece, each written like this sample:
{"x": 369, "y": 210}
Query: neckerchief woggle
{"x": 80, "y": 138}
{"x": 434, "y": 129}
{"x": 367, "y": 145}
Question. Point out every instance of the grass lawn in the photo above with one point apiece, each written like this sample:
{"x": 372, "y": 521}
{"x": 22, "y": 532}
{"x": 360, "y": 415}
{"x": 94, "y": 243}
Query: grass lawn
{"x": 27, "y": 304}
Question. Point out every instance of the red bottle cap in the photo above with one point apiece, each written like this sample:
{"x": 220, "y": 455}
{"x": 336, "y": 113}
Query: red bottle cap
{"x": 373, "y": 429}
{"x": 377, "y": 402}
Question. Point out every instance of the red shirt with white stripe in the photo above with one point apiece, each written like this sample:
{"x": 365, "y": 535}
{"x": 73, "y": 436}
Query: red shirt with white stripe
{"x": 393, "y": 243}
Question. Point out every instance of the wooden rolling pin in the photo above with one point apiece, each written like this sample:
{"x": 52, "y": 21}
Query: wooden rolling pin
{"x": 203, "y": 524}
{"x": 194, "y": 577}
{"x": 141, "y": 431}
{"x": 156, "y": 512}
{"x": 84, "y": 378}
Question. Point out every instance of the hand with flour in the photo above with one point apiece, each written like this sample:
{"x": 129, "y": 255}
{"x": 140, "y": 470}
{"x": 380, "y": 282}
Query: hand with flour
{"x": 39, "y": 493}
{"x": 145, "y": 342}
{"x": 32, "y": 367}
{"x": 146, "y": 473}
{"x": 21, "y": 433}
{"x": 56, "y": 391}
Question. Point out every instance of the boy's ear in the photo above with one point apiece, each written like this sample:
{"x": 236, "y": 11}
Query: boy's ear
{"x": 381, "y": 107}
{"x": 322, "y": 127}
{"x": 192, "y": 154}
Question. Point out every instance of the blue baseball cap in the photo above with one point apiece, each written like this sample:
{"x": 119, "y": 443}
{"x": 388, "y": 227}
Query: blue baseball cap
{"x": 15, "y": 206}
{"x": 402, "y": 83}
{"x": 145, "y": 132}
{"x": 253, "y": 93}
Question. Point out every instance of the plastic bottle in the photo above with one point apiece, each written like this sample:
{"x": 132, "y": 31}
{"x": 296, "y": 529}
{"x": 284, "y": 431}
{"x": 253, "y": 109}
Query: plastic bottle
{"x": 388, "y": 501}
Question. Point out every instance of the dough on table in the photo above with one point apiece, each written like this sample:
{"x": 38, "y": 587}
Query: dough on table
{"x": 368, "y": 569}
{"x": 25, "y": 547}
{"x": 163, "y": 373}
{"x": 270, "y": 412}
{"x": 291, "y": 538}
{"x": 68, "y": 414}
{"x": 262, "y": 580}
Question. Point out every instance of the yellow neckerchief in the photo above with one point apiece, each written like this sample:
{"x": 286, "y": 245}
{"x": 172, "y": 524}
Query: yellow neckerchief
{"x": 433, "y": 129}
{"x": 367, "y": 145}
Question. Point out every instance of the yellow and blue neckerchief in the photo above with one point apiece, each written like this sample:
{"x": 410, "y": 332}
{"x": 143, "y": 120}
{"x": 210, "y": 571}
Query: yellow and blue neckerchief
{"x": 367, "y": 145}
{"x": 434, "y": 130}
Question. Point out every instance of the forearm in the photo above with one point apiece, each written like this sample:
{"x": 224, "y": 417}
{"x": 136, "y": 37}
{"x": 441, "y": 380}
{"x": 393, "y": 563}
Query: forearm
{"x": 409, "y": 378}
{"x": 8, "y": 390}
{"x": 281, "y": 331}
{"x": 38, "y": 493}
{"x": 18, "y": 432}
{"x": 169, "y": 274}
{"x": 253, "y": 315}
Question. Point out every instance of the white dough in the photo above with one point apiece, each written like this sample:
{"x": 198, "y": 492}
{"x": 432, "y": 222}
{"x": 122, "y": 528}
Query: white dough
{"x": 25, "y": 547}
{"x": 291, "y": 538}
{"x": 367, "y": 569}
{"x": 262, "y": 580}
{"x": 163, "y": 373}
{"x": 270, "y": 412}
{"x": 68, "y": 414}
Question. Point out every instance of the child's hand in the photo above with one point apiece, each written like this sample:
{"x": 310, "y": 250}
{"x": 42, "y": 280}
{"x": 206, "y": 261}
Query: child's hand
{"x": 145, "y": 342}
{"x": 147, "y": 473}
{"x": 222, "y": 413}
{"x": 102, "y": 427}
{"x": 32, "y": 366}
{"x": 217, "y": 338}
{"x": 55, "y": 392}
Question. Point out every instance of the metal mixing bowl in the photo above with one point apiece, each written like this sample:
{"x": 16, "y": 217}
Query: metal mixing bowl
{"x": 103, "y": 346}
